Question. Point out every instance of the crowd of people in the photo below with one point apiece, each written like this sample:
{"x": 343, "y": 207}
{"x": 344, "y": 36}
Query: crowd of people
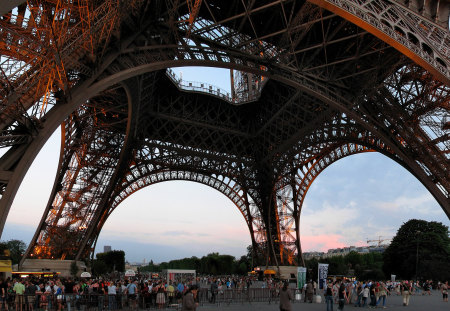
{"x": 112, "y": 294}
{"x": 374, "y": 294}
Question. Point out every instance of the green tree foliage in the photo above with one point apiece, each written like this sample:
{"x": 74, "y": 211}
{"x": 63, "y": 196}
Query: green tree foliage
{"x": 213, "y": 263}
{"x": 243, "y": 265}
{"x": 256, "y": 257}
{"x": 362, "y": 266}
{"x": 99, "y": 267}
{"x": 74, "y": 269}
{"x": 312, "y": 268}
{"x": 112, "y": 261}
{"x": 422, "y": 242}
{"x": 16, "y": 248}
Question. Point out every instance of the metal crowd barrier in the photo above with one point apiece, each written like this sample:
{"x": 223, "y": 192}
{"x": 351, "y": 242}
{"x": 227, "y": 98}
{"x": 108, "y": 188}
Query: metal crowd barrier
{"x": 84, "y": 302}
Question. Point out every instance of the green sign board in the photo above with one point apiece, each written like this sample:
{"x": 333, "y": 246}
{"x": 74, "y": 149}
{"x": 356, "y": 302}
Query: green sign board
{"x": 301, "y": 277}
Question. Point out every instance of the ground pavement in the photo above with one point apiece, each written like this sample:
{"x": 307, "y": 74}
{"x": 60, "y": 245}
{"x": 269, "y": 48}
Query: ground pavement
{"x": 394, "y": 302}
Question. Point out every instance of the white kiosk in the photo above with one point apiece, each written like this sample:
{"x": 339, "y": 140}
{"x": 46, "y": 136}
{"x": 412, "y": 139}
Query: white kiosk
{"x": 174, "y": 274}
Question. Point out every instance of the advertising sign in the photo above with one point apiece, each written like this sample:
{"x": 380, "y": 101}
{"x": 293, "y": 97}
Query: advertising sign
{"x": 130, "y": 273}
{"x": 323, "y": 273}
{"x": 301, "y": 277}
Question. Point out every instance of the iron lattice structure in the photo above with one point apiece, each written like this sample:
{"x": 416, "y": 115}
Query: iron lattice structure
{"x": 313, "y": 82}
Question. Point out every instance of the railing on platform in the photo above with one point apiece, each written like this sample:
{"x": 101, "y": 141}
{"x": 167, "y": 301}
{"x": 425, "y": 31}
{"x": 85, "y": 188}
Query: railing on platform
{"x": 202, "y": 87}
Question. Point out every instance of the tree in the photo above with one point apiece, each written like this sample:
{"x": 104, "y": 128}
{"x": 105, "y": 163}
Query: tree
{"x": 99, "y": 267}
{"x": 113, "y": 260}
{"x": 354, "y": 259}
{"x": 256, "y": 257}
{"x": 365, "y": 266}
{"x": 74, "y": 269}
{"x": 16, "y": 248}
{"x": 420, "y": 249}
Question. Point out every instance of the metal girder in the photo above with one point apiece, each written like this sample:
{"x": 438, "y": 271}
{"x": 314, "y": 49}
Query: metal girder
{"x": 419, "y": 30}
{"x": 310, "y": 86}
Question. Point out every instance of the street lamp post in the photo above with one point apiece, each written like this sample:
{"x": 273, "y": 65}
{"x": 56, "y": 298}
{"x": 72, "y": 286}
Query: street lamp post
{"x": 417, "y": 253}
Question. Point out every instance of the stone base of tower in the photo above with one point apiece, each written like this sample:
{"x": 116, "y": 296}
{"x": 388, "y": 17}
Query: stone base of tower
{"x": 52, "y": 265}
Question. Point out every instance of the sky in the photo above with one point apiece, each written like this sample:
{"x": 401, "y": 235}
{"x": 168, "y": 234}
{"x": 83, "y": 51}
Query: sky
{"x": 358, "y": 198}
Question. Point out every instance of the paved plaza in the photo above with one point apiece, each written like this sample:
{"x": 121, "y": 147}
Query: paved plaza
{"x": 417, "y": 303}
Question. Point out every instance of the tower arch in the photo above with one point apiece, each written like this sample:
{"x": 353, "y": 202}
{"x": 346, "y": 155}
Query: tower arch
{"x": 228, "y": 187}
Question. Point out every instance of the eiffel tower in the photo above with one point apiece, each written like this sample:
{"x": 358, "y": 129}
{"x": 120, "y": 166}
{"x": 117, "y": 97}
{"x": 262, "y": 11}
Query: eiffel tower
{"x": 312, "y": 82}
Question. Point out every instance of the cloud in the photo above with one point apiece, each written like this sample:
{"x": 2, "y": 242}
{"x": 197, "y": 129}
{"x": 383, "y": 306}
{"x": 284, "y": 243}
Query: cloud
{"x": 330, "y": 218}
{"x": 203, "y": 234}
{"x": 335, "y": 226}
{"x": 321, "y": 242}
{"x": 175, "y": 233}
{"x": 422, "y": 204}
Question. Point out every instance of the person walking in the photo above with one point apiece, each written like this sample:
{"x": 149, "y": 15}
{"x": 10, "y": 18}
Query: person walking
{"x": 406, "y": 292}
{"x": 342, "y": 295}
{"x": 336, "y": 292}
{"x": 214, "y": 289}
{"x": 188, "y": 303}
{"x": 194, "y": 290}
{"x": 285, "y": 298}
{"x": 329, "y": 296}
{"x": 444, "y": 291}
{"x": 310, "y": 291}
{"x": 373, "y": 299}
{"x": 382, "y": 293}
{"x": 358, "y": 293}
{"x": 365, "y": 294}
{"x": 4, "y": 293}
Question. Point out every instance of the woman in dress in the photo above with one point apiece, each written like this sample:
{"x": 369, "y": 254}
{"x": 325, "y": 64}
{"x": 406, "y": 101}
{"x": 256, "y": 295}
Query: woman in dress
{"x": 161, "y": 295}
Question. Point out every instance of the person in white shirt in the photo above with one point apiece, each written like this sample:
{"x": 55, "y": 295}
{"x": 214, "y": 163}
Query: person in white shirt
{"x": 365, "y": 294}
{"x": 112, "y": 291}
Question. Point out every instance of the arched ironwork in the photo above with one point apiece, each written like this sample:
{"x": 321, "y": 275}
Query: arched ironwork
{"x": 224, "y": 185}
{"x": 305, "y": 75}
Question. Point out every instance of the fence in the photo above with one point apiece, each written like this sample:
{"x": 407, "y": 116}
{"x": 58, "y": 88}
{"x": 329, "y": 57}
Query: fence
{"x": 83, "y": 302}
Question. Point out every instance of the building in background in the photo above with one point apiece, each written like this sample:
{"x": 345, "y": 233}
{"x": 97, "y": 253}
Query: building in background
{"x": 346, "y": 250}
